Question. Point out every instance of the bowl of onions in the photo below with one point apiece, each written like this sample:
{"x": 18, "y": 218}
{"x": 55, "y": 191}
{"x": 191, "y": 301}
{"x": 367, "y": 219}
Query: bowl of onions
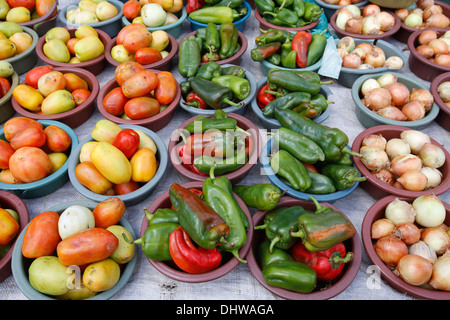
{"x": 360, "y": 57}
{"x": 369, "y": 22}
{"x": 440, "y": 88}
{"x": 429, "y": 52}
{"x": 426, "y": 14}
{"x": 408, "y": 240}
{"x": 394, "y": 99}
{"x": 330, "y": 6}
{"x": 401, "y": 161}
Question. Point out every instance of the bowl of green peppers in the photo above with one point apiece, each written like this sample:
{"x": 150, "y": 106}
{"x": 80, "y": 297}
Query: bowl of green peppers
{"x": 284, "y": 259}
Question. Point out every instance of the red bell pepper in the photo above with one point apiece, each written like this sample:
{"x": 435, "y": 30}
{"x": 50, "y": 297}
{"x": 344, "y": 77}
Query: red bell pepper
{"x": 193, "y": 99}
{"x": 194, "y": 5}
{"x": 328, "y": 264}
{"x": 190, "y": 258}
{"x": 187, "y": 160}
{"x": 300, "y": 42}
{"x": 263, "y": 97}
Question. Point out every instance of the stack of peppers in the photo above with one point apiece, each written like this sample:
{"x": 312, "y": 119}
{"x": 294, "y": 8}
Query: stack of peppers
{"x": 303, "y": 247}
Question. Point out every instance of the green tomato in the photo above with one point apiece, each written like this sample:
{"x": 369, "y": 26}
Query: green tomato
{"x": 153, "y": 15}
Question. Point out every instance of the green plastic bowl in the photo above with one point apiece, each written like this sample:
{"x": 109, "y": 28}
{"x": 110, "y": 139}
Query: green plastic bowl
{"x": 6, "y": 108}
{"x": 20, "y": 264}
{"x": 25, "y": 61}
{"x": 50, "y": 183}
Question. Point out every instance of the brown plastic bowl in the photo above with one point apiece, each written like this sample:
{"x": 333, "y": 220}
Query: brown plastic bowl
{"x": 163, "y": 65}
{"x": 263, "y": 24}
{"x": 323, "y": 291}
{"x": 50, "y": 15}
{"x": 379, "y": 189}
{"x": 404, "y": 32}
{"x": 235, "y": 176}
{"x": 95, "y": 66}
{"x": 169, "y": 268}
{"x": 6, "y": 108}
{"x": 376, "y": 212}
{"x": 418, "y": 64}
{"x": 77, "y": 115}
{"x": 443, "y": 118}
{"x": 155, "y": 123}
{"x": 384, "y": 36}
{"x": 11, "y": 201}
{"x": 236, "y": 59}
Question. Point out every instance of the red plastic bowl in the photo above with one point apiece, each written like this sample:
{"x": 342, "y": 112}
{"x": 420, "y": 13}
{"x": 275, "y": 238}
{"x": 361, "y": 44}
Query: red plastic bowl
{"x": 443, "y": 118}
{"x": 379, "y": 189}
{"x": 376, "y": 212}
{"x": 263, "y": 24}
{"x": 154, "y": 123}
{"x": 169, "y": 268}
{"x": 322, "y": 291}
{"x": 77, "y": 115}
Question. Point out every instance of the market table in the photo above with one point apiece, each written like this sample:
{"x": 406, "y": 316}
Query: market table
{"x": 149, "y": 284}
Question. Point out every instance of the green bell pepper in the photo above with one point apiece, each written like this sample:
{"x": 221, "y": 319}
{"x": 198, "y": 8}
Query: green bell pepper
{"x": 240, "y": 86}
{"x": 161, "y": 215}
{"x": 287, "y": 166}
{"x": 209, "y": 70}
{"x": 265, "y": 5}
{"x": 316, "y": 48}
{"x": 212, "y": 37}
{"x": 215, "y": 95}
{"x": 155, "y": 241}
{"x": 229, "y": 36}
{"x": 189, "y": 57}
{"x": 289, "y": 80}
{"x": 344, "y": 177}
{"x": 229, "y": 3}
{"x": 288, "y": 56}
{"x": 320, "y": 184}
{"x": 265, "y": 257}
{"x": 223, "y": 166}
{"x": 312, "y": 11}
{"x": 262, "y": 196}
{"x": 287, "y": 101}
{"x": 290, "y": 275}
{"x": 299, "y": 7}
{"x": 234, "y": 70}
{"x": 283, "y": 17}
{"x": 217, "y": 15}
{"x": 273, "y": 35}
{"x": 202, "y": 124}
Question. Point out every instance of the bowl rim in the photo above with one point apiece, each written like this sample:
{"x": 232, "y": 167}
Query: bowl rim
{"x": 163, "y": 162}
{"x": 433, "y": 88}
{"x": 46, "y": 16}
{"x": 155, "y": 65}
{"x": 201, "y": 277}
{"x": 177, "y": 23}
{"x": 60, "y": 116}
{"x": 385, "y": 35}
{"x": 55, "y": 175}
{"x": 117, "y": 4}
{"x": 337, "y": 288}
{"x": 393, "y": 280}
{"x": 429, "y": 117}
{"x": 33, "y": 294}
{"x": 411, "y": 29}
{"x": 253, "y": 158}
{"x": 442, "y": 188}
{"x": 14, "y": 82}
{"x": 269, "y": 25}
{"x": 107, "y": 87}
{"x": 240, "y": 21}
{"x": 336, "y": 6}
{"x": 29, "y": 50}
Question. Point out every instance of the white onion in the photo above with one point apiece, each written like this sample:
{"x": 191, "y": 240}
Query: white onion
{"x": 394, "y": 62}
{"x": 430, "y": 211}
{"x": 396, "y": 147}
{"x": 414, "y": 20}
{"x": 347, "y": 43}
{"x": 440, "y": 279}
{"x": 356, "y": 12}
{"x": 373, "y": 159}
{"x": 386, "y": 79}
{"x": 368, "y": 85}
{"x": 444, "y": 90}
{"x": 374, "y": 140}
{"x": 420, "y": 248}
{"x": 343, "y": 16}
{"x": 370, "y": 25}
{"x": 365, "y": 66}
{"x": 400, "y": 211}
{"x": 437, "y": 238}
{"x": 432, "y": 155}
{"x": 382, "y": 228}
{"x": 433, "y": 175}
{"x": 416, "y": 139}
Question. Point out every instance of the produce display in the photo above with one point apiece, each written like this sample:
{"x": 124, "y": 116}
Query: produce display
{"x": 434, "y": 47}
{"x": 24, "y": 11}
{"x": 152, "y": 13}
{"x": 443, "y": 90}
{"x": 13, "y": 40}
{"x": 90, "y": 11}
{"x": 425, "y": 15}
{"x": 9, "y": 229}
{"x": 216, "y": 11}
{"x": 412, "y": 239}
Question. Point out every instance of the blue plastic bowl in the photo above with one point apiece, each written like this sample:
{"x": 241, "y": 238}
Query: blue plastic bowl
{"x": 265, "y": 162}
{"x": 111, "y": 26}
{"x": 131, "y": 198}
{"x": 20, "y": 264}
{"x": 175, "y": 29}
{"x": 50, "y": 183}
{"x": 239, "y": 110}
{"x": 272, "y": 123}
{"x": 240, "y": 24}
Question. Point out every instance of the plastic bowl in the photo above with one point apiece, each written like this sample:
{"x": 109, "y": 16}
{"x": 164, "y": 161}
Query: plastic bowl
{"x": 6, "y": 108}
{"x": 348, "y": 76}
{"x": 94, "y": 66}
{"x": 263, "y": 24}
{"x": 330, "y": 9}
{"x": 418, "y": 64}
{"x": 272, "y": 123}
{"x": 323, "y": 291}
{"x": 154, "y": 123}
{"x": 37, "y": 24}
{"x": 169, "y": 268}
{"x": 77, "y": 115}
{"x": 368, "y": 118}
{"x": 174, "y": 29}
{"x": 235, "y": 176}
{"x": 163, "y": 64}
{"x": 20, "y": 264}
{"x": 404, "y": 32}
{"x": 443, "y": 118}
{"x": 111, "y": 26}
{"x": 11, "y": 201}
{"x": 384, "y": 36}
{"x": 50, "y": 183}
{"x": 379, "y": 189}
{"x": 238, "y": 110}
{"x": 268, "y": 171}
{"x": 376, "y": 212}
{"x": 240, "y": 24}
{"x": 393, "y": 4}
{"x": 26, "y": 60}
{"x": 131, "y": 198}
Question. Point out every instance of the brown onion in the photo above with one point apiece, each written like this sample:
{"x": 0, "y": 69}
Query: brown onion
{"x": 367, "y": 47}
{"x": 387, "y": 78}
{"x": 374, "y": 140}
{"x": 424, "y": 4}
{"x": 443, "y": 60}
{"x": 440, "y": 279}
{"x": 414, "y": 110}
{"x": 385, "y": 176}
{"x": 394, "y": 62}
{"x": 382, "y": 228}
{"x": 439, "y": 46}
{"x": 396, "y": 147}
{"x": 402, "y": 13}
{"x": 437, "y": 238}
{"x": 377, "y": 98}
{"x": 392, "y": 113}
{"x": 432, "y": 155}
{"x": 407, "y": 232}
{"x": 433, "y": 175}
{"x": 371, "y": 9}
{"x": 351, "y": 60}
{"x": 414, "y": 269}
{"x": 399, "y": 93}
{"x": 354, "y": 25}
{"x": 402, "y": 163}
{"x": 390, "y": 250}
{"x": 434, "y": 9}
{"x": 373, "y": 158}
{"x": 424, "y": 96}
{"x": 386, "y": 20}
{"x": 370, "y": 26}
{"x": 426, "y": 36}
{"x": 422, "y": 249}
{"x": 425, "y": 51}
{"x": 438, "y": 20}
{"x": 416, "y": 139}
{"x": 361, "y": 52}
{"x": 347, "y": 43}
{"x": 377, "y": 58}
{"x": 413, "y": 180}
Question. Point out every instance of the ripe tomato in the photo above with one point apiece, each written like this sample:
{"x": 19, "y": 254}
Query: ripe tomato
{"x": 127, "y": 29}
{"x": 127, "y": 69}
{"x": 28, "y": 137}
{"x": 114, "y": 102}
{"x": 126, "y": 187}
{"x": 58, "y": 140}
{"x": 70, "y": 44}
{"x": 141, "y": 108}
{"x": 29, "y": 4}
{"x": 16, "y": 124}
{"x": 32, "y": 76}
{"x": 131, "y": 9}
{"x": 80, "y": 96}
{"x": 147, "y": 55}
{"x": 89, "y": 176}
{"x": 140, "y": 84}
{"x": 29, "y": 164}
{"x": 5, "y": 86}
{"x": 127, "y": 141}
{"x": 6, "y": 151}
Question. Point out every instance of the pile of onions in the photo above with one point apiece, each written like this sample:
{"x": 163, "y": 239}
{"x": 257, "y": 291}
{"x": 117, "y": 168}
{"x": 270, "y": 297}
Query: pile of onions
{"x": 434, "y": 48}
{"x": 426, "y": 14}
{"x": 365, "y": 55}
{"x": 415, "y": 252}
{"x": 371, "y": 21}
{"x": 443, "y": 90}
{"x": 392, "y": 99}
{"x": 342, "y": 2}
{"x": 410, "y": 162}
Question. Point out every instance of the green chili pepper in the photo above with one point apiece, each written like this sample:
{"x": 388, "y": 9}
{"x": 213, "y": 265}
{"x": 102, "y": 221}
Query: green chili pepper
{"x": 185, "y": 88}
{"x": 240, "y": 86}
{"x": 345, "y": 158}
{"x": 262, "y": 196}
{"x": 288, "y": 56}
{"x": 308, "y": 109}
{"x": 287, "y": 166}
{"x": 229, "y": 3}
{"x": 316, "y": 48}
{"x": 161, "y": 215}
{"x": 290, "y": 275}
{"x": 209, "y": 70}
{"x": 274, "y": 59}
{"x": 289, "y": 80}
{"x": 211, "y": 2}
{"x": 217, "y": 15}
{"x": 212, "y": 37}
{"x": 283, "y": 17}
{"x": 202, "y": 124}
{"x": 234, "y": 70}
{"x": 155, "y": 241}
{"x": 223, "y": 166}
{"x": 201, "y": 33}
{"x": 220, "y": 114}
{"x": 265, "y": 5}
{"x": 229, "y": 36}
{"x": 266, "y": 50}
{"x": 286, "y": 34}
{"x": 265, "y": 257}
{"x": 299, "y": 7}
{"x": 321, "y": 101}
{"x": 273, "y": 35}
{"x": 320, "y": 184}
{"x": 287, "y": 101}
{"x": 343, "y": 177}
{"x": 189, "y": 56}
{"x": 215, "y": 95}
{"x": 312, "y": 11}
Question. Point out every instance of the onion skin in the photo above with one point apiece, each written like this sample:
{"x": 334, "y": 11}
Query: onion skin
{"x": 382, "y": 228}
{"x": 438, "y": 20}
{"x": 373, "y": 159}
{"x": 400, "y": 211}
{"x": 409, "y": 233}
{"x": 399, "y": 93}
{"x": 424, "y": 4}
{"x": 351, "y": 60}
{"x": 424, "y": 96}
{"x": 432, "y": 155}
{"x": 414, "y": 110}
{"x": 386, "y": 20}
{"x": 414, "y": 269}
{"x": 392, "y": 113}
{"x": 377, "y": 98}
{"x": 370, "y": 10}
{"x": 374, "y": 140}
{"x": 390, "y": 250}
{"x": 425, "y": 51}
{"x": 437, "y": 238}
{"x": 416, "y": 139}
{"x": 402, "y": 13}
{"x": 405, "y": 162}
{"x": 376, "y": 59}
{"x": 426, "y": 36}
{"x": 422, "y": 249}
{"x": 396, "y": 147}
{"x": 440, "y": 279}
{"x": 394, "y": 62}
{"x": 413, "y": 180}
{"x": 384, "y": 175}
{"x": 443, "y": 60}
{"x": 434, "y": 177}
{"x": 354, "y": 25}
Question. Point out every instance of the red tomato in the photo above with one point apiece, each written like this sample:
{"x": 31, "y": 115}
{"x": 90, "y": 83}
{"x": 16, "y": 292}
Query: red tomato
{"x": 28, "y": 137}
{"x": 80, "y": 96}
{"x": 16, "y": 124}
{"x": 29, "y": 164}
{"x": 126, "y": 187}
{"x": 6, "y": 151}
{"x": 32, "y": 76}
{"x": 127, "y": 141}
{"x": 58, "y": 140}
{"x": 29, "y": 4}
{"x": 70, "y": 44}
{"x": 5, "y": 86}
{"x": 141, "y": 108}
{"x": 131, "y": 9}
{"x": 114, "y": 102}
{"x": 147, "y": 55}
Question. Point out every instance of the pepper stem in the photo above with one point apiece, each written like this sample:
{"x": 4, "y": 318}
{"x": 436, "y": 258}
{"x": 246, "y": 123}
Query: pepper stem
{"x": 282, "y": 5}
{"x": 139, "y": 241}
{"x": 232, "y": 103}
{"x": 211, "y": 171}
{"x": 297, "y": 234}
{"x": 148, "y": 215}
{"x": 274, "y": 93}
{"x": 260, "y": 227}
{"x": 236, "y": 255}
{"x": 336, "y": 259}
{"x": 353, "y": 153}
{"x": 326, "y": 82}
{"x": 319, "y": 208}
{"x": 273, "y": 243}
{"x": 270, "y": 13}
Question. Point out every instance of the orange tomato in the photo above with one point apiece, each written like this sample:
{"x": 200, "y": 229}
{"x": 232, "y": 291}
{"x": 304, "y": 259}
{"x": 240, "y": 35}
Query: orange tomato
{"x": 114, "y": 102}
{"x": 5, "y": 86}
{"x": 166, "y": 89}
{"x": 74, "y": 82}
{"x": 90, "y": 177}
{"x": 29, "y": 4}
{"x": 141, "y": 108}
{"x": 41, "y": 236}
{"x": 16, "y": 124}
{"x": 6, "y": 151}
{"x": 58, "y": 140}
{"x": 144, "y": 165}
{"x": 131, "y": 9}
{"x": 126, "y": 70}
{"x": 126, "y": 187}
{"x": 28, "y": 137}
{"x": 29, "y": 164}
{"x": 137, "y": 39}
{"x": 80, "y": 96}
{"x": 44, "y": 6}
{"x": 108, "y": 212}
{"x": 140, "y": 84}
{"x": 70, "y": 44}
{"x": 9, "y": 227}
{"x": 32, "y": 76}
{"x": 147, "y": 56}
{"x": 127, "y": 29}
